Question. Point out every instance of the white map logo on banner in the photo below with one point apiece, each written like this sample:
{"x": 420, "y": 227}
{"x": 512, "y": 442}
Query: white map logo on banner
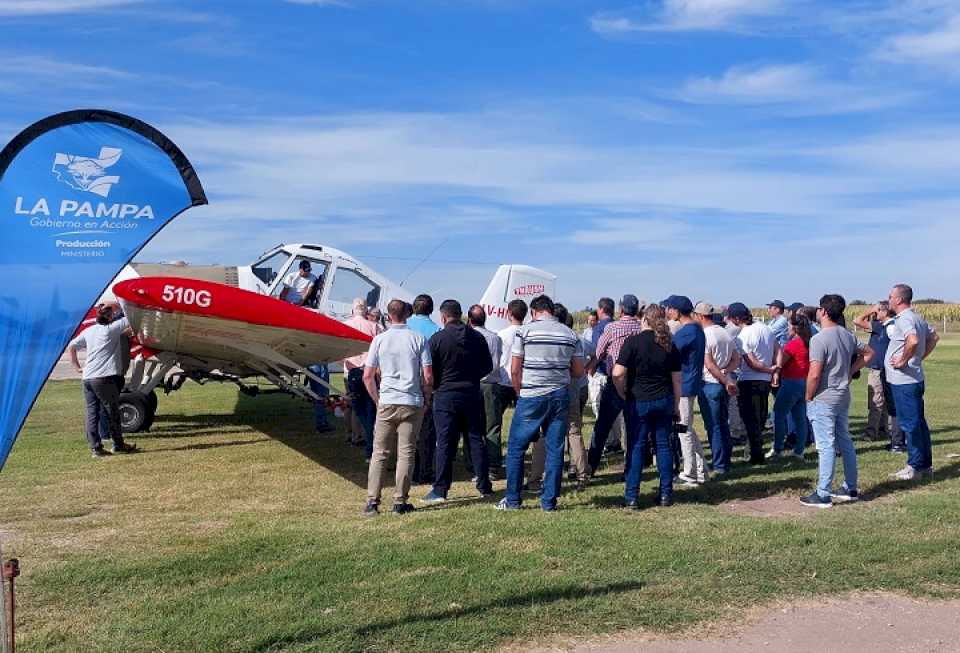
{"x": 87, "y": 173}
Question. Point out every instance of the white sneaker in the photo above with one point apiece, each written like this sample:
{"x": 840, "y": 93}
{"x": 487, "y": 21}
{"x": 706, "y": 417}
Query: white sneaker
{"x": 687, "y": 480}
{"x": 908, "y": 473}
{"x": 772, "y": 454}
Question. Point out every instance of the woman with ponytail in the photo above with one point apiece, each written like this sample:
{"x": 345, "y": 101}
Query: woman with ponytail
{"x": 793, "y": 364}
{"x": 647, "y": 377}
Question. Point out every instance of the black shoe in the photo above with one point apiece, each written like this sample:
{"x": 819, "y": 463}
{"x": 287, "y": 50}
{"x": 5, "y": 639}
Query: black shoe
{"x": 582, "y": 484}
{"x": 758, "y": 461}
{"x": 100, "y": 452}
{"x": 126, "y": 447}
{"x": 665, "y": 501}
{"x": 325, "y": 429}
{"x": 402, "y": 508}
{"x": 814, "y": 500}
{"x": 571, "y": 474}
{"x": 485, "y": 494}
{"x": 631, "y": 505}
{"x": 372, "y": 509}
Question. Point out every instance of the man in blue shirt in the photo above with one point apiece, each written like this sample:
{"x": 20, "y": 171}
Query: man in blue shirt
{"x": 882, "y": 418}
{"x": 692, "y": 345}
{"x": 778, "y": 322}
{"x": 421, "y": 323}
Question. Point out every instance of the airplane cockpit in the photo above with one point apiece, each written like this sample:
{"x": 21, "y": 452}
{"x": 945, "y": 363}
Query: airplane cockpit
{"x": 340, "y": 278}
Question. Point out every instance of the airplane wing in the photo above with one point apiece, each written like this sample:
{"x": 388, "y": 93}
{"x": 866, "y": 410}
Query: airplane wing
{"x": 210, "y": 326}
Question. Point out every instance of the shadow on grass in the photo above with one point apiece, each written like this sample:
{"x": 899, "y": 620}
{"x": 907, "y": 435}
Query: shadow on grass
{"x": 540, "y": 597}
{"x": 893, "y": 486}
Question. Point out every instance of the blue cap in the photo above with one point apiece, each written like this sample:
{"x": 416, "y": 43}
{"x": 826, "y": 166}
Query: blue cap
{"x": 738, "y": 310}
{"x": 679, "y": 302}
{"x": 630, "y": 304}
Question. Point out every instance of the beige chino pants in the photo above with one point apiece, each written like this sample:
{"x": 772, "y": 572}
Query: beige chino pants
{"x": 877, "y": 404}
{"x": 694, "y": 461}
{"x": 396, "y": 429}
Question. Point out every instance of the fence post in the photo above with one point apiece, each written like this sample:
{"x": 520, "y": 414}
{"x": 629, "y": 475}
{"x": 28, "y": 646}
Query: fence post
{"x": 4, "y": 627}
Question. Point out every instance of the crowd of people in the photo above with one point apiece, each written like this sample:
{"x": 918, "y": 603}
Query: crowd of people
{"x": 642, "y": 369}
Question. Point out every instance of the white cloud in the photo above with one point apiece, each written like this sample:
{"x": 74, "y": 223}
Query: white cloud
{"x": 938, "y": 47}
{"x": 802, "y": 87}
{"x": 509, "y": 189}
{"x": 22, "y": 71}
{"x": 686, "y": 15}
{"x": 46, "y": 7}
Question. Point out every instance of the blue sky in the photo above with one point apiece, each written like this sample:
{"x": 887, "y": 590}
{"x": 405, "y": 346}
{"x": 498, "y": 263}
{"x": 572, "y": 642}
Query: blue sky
{"x": 723, "y": 149}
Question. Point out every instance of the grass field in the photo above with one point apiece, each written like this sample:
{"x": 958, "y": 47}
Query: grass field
{"x": 238, "y": 529}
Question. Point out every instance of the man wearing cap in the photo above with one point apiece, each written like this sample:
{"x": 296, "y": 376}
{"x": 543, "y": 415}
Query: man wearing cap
{"x": 298, "y": 286}
{"x": 719, "y": 386}
{"x": 691, "y": 343}
{"x": 758, "y": 350}
{"x": 608, "y": 349}
{"x": 672, "y": 322}
{"x": 778, "y": 322}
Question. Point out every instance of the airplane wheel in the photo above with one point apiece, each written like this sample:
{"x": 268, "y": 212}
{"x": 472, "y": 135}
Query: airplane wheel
{"x": 135, "y": 413}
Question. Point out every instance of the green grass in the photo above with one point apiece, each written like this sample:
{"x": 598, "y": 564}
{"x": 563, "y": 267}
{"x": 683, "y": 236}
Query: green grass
{"x": 238, "y": 529}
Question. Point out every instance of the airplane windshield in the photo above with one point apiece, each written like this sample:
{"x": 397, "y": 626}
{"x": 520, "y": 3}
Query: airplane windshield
{"x": 268, "y": 269}
{"x": 349, "y": 285}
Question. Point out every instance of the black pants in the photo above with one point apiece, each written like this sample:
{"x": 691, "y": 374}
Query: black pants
{"x": 103, "y": 396}
{"x": 753, "y": 403}
{"x": 456, "y": 412}
{"x": 426, "y": 449}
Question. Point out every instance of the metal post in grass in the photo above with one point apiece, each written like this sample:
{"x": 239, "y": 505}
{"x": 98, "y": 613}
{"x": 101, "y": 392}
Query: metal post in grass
{"x": 5, "y": 644}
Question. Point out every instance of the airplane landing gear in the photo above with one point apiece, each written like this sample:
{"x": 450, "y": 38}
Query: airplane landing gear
{"x": 137, "y": 411}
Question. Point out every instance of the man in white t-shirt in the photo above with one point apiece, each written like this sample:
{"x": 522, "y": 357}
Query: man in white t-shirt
{"x": 758, "y": 349}
{"x": 107, "y": 348}
{"x": 298, "y": 286}
{"x": 720, "y": 361}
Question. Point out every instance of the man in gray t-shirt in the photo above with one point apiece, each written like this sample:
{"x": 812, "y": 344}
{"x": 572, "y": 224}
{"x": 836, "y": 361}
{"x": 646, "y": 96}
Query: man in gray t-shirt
{"x": 546, "y": 355}
{"x": 835, "y": 356}
{"x": 398, "y": 375}
{"x": 102, "y": 375}
{"x": 911, "y": 341}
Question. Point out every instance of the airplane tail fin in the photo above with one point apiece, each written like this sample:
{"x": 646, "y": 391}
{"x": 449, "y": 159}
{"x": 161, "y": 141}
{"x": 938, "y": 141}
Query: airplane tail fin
{"x": 514, "y": 282}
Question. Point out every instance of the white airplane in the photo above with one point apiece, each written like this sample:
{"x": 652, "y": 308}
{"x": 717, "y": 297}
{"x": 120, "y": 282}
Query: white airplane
{"x": 219, "y": 323}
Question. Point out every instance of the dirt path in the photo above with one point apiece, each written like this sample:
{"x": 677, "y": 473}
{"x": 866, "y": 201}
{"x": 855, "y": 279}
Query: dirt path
{"x": 876, "y": 623}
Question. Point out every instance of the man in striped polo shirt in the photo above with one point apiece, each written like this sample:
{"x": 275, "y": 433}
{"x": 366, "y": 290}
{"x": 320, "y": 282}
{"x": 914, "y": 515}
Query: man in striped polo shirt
{"x": 608, "y": 349}
{"x": 546, "y": 355}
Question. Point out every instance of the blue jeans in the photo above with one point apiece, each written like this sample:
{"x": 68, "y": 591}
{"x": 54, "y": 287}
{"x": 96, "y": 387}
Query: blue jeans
{"x": 319, "y": 407}
{"x": 715, "y": 410}
{"x": 533, "y": 414}
{"x": 913, "y": 422}
{"x": 790, "y": 402}
{"x": 363, "y": 406}
{"x": 609, "y": 408}
{"x": 647, "y": 420}
{"x": 831, "y": 430}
